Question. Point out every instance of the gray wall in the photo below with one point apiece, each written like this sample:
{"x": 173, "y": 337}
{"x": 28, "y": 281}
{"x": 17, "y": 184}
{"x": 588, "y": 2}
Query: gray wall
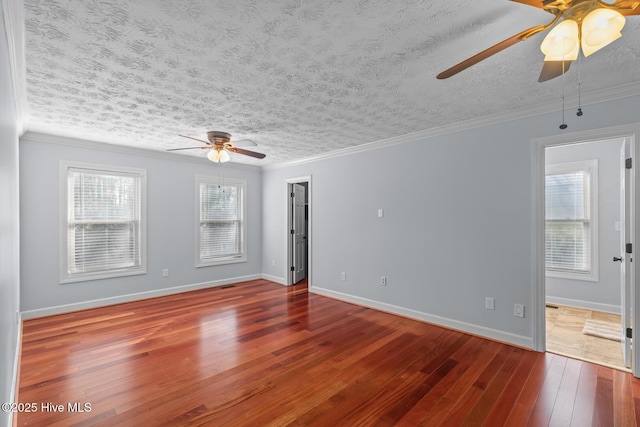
{"x": 171, "y": 228}
{"x": 457, "y": 226}
{"x": 9, "y": 227}
{"x": 605, "y": 293}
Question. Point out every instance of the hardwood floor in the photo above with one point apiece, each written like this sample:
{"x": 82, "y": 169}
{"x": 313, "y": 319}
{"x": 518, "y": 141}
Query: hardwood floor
{"x": 259, "y": 354}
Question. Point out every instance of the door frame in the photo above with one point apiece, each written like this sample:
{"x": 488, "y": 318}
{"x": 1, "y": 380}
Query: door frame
{"x": 289, "y": 223}
{"x": 632, "y": 132}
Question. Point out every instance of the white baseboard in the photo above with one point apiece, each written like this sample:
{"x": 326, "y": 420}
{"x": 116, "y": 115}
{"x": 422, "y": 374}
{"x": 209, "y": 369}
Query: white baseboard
{"x": 493, "y": 334}
{"x": 48, "y": 311}
{"x": 607, "y": 308}
{"x": 276, "y": 279}
{"x": 13, "y": 396}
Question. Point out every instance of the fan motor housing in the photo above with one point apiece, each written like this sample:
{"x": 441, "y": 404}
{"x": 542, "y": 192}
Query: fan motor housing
{"x": 216, "y": 137}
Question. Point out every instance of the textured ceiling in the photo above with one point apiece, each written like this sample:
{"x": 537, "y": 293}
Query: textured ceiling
{"x": 298, "y": 77}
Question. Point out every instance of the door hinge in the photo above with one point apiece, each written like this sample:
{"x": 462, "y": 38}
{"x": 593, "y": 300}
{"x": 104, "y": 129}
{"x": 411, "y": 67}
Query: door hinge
{"x": 628, "y": 163}
{"x": 293, "y": 268}
{"x": 293, "y": 231}
{"x": 293, "y": 194}
{"x": 629, "y": 333}
{"x": 629, "y": 248}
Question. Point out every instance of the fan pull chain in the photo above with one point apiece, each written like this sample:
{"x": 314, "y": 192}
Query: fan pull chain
{"x": 579, "y": 112}
{"x": 563, "y": 126}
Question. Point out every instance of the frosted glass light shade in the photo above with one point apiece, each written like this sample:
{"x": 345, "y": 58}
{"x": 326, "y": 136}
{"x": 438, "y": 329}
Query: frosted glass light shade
{"x": 562, "y": 44}
{"x": 218, "y": 156}
{"x": 214, "y": 156}
{"x": 599, "y": 28}
{"x": 224, "y": 156}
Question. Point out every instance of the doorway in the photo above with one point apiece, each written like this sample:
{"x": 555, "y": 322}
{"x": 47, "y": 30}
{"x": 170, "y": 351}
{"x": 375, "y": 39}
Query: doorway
{"x": 298, "y": 230}
{"x": 629, "y": 300}
{"x": 584, "y": 223}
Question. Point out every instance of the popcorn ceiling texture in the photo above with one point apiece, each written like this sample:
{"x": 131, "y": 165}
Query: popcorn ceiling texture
{"x": 298, "y": 77}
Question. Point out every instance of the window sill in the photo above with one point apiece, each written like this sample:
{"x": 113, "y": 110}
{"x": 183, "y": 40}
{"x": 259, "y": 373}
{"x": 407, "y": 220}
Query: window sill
{"x": 101, "y": 275}
{"x": 591, "y": 277}
{"x": 221, "y": 261}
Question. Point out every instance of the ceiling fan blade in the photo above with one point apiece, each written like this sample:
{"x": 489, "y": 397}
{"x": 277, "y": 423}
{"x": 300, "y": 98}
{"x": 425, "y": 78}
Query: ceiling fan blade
{"x": 243, "y": 143}
{"x": 626, "y": 7}
{"x": 553, "y": 69}
{"x": 247, "y": 152}
{"x": 196, "y": 139}
{"x": 524, "y": 35}
{"x": 186, "y": 148}
{"x": 534, "y": 3}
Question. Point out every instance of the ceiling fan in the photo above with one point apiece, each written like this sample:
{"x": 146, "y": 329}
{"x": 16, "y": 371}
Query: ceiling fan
{"x": 590, "y": 24}
{"x": 220, "y": 144}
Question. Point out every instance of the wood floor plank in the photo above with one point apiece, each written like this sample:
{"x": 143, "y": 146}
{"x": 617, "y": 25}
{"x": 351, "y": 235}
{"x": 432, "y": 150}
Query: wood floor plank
{"x": 635, "y": 386}
{"x": 564, "y": 405}
{"x": 543, "y": 409}
{"x": 431, "y": 388}
{"x": 584, "y": 405}
{"x": 434, "y": 407}
{"x": 458, "y": 412}
{"x": 258, "y": 353}
{"x": 503, "y": 405}
{"x": 603, "y": 414}
{"x": 623, "y": 410}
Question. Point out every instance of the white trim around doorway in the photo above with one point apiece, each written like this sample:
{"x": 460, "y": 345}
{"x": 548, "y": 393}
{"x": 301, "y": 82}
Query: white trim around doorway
{"x": 538, "y": 173}
{"x": 288, "y": 219}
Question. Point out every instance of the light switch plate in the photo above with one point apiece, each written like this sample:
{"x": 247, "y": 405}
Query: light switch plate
{"x": 489, "y": 303}
{"x": 518, "y": 310}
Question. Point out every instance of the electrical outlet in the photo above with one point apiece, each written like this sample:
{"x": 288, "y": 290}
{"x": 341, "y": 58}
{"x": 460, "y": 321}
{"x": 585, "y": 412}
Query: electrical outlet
{"x": 489, "y": 303}
{"x": 17, "y": 317}
{"x": 343, "y": 276}
{"x": 383, "y": 281}
{"x": 380, "y": 213}
{"x": 165, "y": 272}
{"x": 518, "y": 310}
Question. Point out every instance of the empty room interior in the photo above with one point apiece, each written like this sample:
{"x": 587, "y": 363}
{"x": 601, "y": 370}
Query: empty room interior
{"x": 319, "y": 213}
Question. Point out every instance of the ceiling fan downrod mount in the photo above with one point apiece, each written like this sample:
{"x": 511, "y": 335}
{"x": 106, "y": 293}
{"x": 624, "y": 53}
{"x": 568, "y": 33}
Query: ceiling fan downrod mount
{"x": 218, "y": 138}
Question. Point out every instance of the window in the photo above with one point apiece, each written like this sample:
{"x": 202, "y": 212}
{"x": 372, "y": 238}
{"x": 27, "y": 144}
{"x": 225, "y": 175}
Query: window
{"x": 221, "y": 225}
{"x": 570, "y": 199}
{"x": 103, "y": 228}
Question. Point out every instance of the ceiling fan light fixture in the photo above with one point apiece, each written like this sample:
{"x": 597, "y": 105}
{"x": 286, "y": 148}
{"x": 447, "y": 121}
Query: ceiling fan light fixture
{"x": 219, "y": 145}
{"x": 562, "y": 43}
{"x": 218, "y": 156}
{"x": 599, "y": 28}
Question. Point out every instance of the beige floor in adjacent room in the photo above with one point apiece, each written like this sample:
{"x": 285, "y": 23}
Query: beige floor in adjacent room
{"x": 564, "y": 336}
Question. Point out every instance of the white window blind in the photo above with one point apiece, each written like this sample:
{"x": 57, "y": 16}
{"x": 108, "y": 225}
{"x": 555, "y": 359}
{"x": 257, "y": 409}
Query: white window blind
{"x": 104, "y": 229}
{"x": 221, "y": 222}
{"x": 568, "y": 217}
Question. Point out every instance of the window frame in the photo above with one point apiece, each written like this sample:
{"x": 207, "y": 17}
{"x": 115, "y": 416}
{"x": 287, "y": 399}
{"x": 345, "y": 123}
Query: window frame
{"x": 241, "y": 184}
{"x": 591, "y": 168}
{"x": 64, "y": 205}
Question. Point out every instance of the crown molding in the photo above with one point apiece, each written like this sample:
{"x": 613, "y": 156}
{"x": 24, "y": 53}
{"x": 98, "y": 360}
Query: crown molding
{"x": 610, "y": 94}
{"x": 30, "y": 136}
{"x": 618, "y": 92}
{"x": 13, "y": 14}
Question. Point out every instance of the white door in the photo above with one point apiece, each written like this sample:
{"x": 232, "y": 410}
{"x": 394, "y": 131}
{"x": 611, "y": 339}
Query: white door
{"x": 299, "y": 233}
{"x": 625, "y": 264}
